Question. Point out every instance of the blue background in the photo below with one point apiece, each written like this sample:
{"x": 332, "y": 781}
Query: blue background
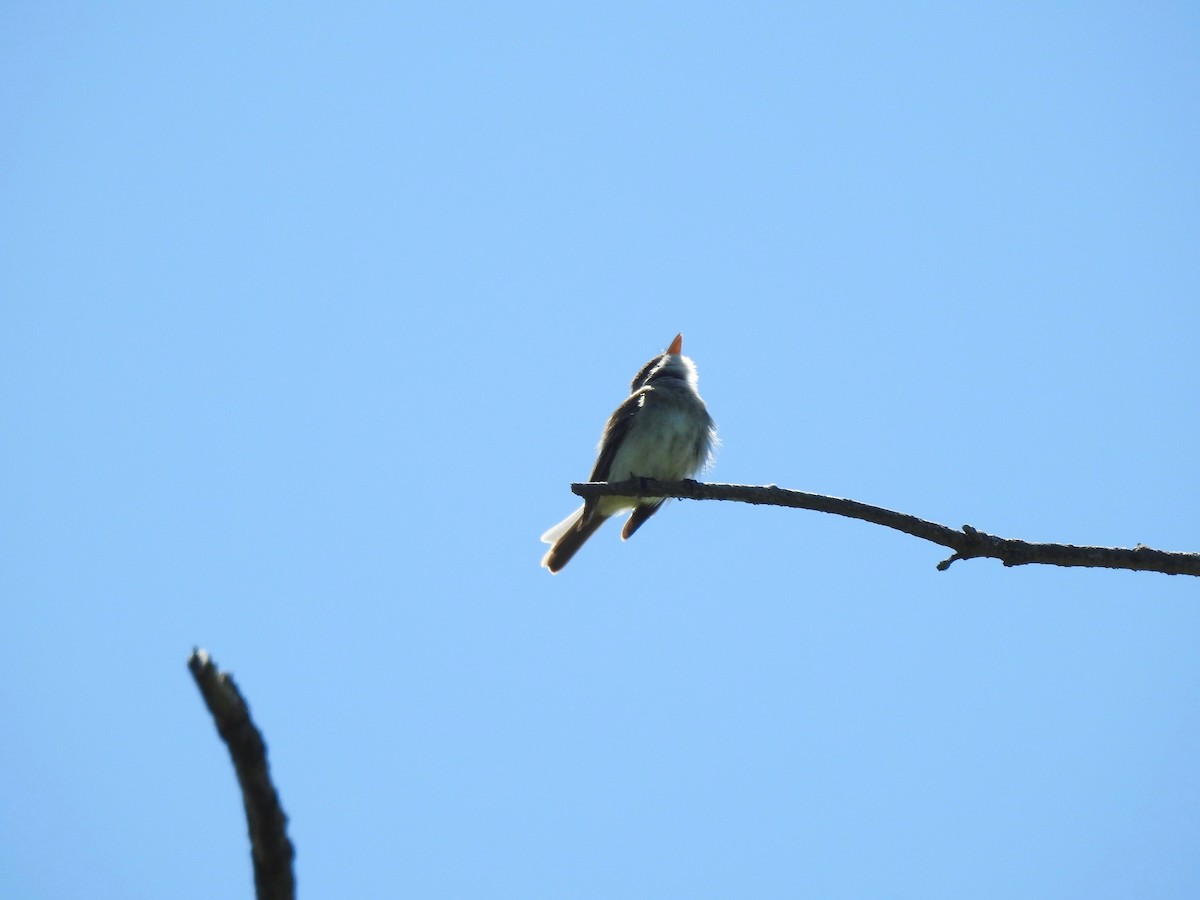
{"x": 310, "y": 316}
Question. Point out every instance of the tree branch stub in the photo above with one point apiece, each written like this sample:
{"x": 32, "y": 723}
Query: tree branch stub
{"x": 270, "y": 848}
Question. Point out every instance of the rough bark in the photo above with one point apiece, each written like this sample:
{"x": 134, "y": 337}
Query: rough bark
{"x": 270, "y": 848}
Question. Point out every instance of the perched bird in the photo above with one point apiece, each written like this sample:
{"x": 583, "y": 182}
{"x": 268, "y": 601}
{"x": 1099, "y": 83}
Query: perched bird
{"x": 662, "y": 431}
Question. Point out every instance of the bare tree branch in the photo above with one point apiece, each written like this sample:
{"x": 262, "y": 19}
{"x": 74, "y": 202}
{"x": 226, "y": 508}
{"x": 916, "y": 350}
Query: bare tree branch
{"x": 270, "y": 848}
{"x": 967, "y": 543}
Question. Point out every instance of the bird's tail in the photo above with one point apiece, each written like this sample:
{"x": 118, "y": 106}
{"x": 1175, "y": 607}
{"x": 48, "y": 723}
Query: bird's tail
{"x": 568, "y": 536}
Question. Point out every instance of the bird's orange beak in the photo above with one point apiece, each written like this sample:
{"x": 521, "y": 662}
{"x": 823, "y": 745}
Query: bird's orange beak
{"x": 676, "y": 345}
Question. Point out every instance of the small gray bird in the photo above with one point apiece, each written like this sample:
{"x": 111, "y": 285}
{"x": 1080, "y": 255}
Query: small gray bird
{"x": 663, "y": 431}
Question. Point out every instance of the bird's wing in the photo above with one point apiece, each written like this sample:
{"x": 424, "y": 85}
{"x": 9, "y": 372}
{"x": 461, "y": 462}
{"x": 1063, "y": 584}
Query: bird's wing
{"x": 615, "y": 433}
{"x": 638, "y": 517}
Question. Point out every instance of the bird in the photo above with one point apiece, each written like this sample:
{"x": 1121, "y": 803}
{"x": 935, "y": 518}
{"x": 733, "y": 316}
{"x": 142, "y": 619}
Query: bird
{"x": 662, "y": 431}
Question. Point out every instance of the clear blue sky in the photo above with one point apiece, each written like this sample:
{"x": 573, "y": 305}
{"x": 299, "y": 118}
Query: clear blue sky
{"x": 311, "y": 315}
